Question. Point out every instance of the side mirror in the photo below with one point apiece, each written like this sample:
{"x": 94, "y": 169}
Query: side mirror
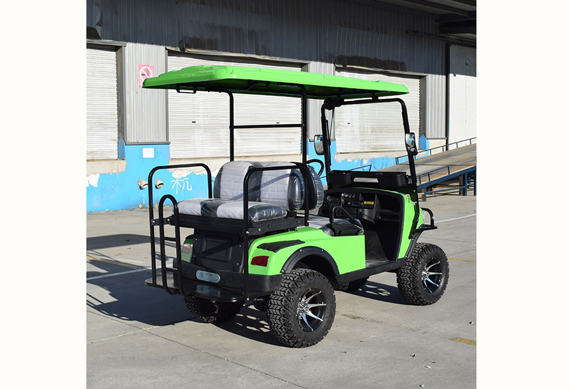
{"x": 319, "y": 145}
{"x": 411, "y": 143}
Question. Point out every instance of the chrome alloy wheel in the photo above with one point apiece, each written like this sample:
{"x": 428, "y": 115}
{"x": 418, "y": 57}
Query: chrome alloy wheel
{"x": 311, "y": 310}
{"x": 432, "y": 275}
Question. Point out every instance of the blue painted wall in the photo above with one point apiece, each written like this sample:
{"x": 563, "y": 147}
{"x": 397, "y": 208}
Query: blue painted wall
{"x": 356, "y": 164}
{"x": 424, "y": 143}
{"x": 116, "y": 191}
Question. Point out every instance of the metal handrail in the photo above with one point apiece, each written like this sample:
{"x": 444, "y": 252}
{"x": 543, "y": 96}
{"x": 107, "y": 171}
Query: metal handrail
{"x": 428, "y": 174}
{"x": 163, "y": 238}
{"x": 444, "y": 147}
{"x": 153, "y": 223}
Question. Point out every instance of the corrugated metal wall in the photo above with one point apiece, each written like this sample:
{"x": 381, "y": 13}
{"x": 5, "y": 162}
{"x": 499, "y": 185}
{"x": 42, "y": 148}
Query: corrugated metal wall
{"x": 314, "y": 106}
{"x": 434, "y": 106}
{"x": 101, "y": 109}
{"x": 320, "y": 33}
{"x": 333, "y": 31}
{"x": 377, "y": 127}
{"x": 462, "y": 93}
{"x": 198, "y": 125}
{"x": 145, "y": 110}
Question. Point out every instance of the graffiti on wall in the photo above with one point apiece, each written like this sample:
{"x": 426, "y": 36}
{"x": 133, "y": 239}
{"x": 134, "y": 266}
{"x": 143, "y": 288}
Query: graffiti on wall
{"x": 181, "y": 184}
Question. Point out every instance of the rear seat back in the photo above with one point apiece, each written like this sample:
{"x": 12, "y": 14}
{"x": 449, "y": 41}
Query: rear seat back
{"x": 286, "y": 188}
{"x": 271, "y": 193}
{"x": 283, "y": 188}
{"x": 228, "y": 184}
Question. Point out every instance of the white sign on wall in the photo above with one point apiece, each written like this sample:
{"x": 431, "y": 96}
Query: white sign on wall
{"x": 148, "y": 152}
{"x": 145, "y": 71}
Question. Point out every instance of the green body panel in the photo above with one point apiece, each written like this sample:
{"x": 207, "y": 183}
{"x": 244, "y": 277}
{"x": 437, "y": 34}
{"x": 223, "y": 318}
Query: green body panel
{"x": 238, "y": 79}
{"x": 348, "y": 252}
{"x": 420, "y": 219}
{"x": 409, "y": 213}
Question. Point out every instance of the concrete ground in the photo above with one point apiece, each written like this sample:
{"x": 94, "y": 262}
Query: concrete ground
{"x": 141, "y": 337}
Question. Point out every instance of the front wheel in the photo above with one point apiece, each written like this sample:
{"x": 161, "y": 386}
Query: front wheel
{"x": 209, "y": 311}
{"x": 423, "y": 279}
{"x": 301, "y": 312}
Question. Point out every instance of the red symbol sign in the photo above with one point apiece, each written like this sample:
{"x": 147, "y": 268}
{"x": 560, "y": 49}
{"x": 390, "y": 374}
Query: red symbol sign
{"x": 145, "y": 71}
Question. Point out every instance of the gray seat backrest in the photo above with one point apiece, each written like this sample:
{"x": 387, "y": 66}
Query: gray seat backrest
{"x": 228, "y": 184}
{"x": 284, "y": 188}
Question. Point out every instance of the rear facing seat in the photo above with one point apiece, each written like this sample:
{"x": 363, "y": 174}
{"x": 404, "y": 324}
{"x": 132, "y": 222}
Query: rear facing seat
{"x": 271, "y": 194}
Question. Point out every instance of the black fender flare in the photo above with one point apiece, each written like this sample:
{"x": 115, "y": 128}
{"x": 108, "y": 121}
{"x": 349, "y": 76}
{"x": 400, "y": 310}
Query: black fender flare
{"x": 308, "y": 251}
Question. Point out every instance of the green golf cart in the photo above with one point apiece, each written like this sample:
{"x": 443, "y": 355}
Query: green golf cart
{"x": 270, "y": 234}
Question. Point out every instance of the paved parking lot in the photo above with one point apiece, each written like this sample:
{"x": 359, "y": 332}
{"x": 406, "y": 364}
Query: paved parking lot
{"x": 141, "y": 337}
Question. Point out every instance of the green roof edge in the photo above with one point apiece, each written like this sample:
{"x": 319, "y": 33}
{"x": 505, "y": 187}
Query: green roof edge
{"x": 264, "y": 81}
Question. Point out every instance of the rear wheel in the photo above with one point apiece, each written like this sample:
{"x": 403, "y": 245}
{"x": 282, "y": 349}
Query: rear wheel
{"x": 423, "y": 279}
{"x": 209, "y": 311}
{"x": 301, "y": 312}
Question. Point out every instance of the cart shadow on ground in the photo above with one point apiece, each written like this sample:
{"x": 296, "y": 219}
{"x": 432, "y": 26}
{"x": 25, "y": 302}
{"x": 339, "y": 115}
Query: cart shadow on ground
{"x": 127, "y": 298}
{"x": 98, "y": 253}
{"x": 116, "y": 240}
{"x": 251, "y": 324}
{"x": 379, "y": 292}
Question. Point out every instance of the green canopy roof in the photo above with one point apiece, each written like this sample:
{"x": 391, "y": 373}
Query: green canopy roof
{"x": 262, "y": 81}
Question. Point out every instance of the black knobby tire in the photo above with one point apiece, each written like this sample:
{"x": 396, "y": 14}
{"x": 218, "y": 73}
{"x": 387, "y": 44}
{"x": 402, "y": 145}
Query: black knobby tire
{"x": 352, "y": 285}
{"x": 301, "y": 312}
{"x": 423, "y": 279}
{"x": 208, "y": 311}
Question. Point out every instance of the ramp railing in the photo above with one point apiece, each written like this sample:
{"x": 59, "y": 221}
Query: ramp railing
{"x": 445, "y": 147}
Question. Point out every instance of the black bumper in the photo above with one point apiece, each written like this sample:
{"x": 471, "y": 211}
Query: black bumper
{"x": 232, "y": 286}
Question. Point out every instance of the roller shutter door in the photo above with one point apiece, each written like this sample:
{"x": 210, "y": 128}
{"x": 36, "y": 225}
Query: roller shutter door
{"x": 199, "y": 124}
{"x": 101, "y": 109}
{"x": 377, "y": 127}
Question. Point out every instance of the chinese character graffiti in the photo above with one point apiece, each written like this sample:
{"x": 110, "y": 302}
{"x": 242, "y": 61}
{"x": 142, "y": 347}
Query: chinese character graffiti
{"x": 181, "y": 184}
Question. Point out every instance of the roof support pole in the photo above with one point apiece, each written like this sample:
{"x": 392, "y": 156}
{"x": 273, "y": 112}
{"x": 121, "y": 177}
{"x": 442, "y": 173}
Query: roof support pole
{"x": 326, "y": 138}
{"x": 304, "y": 124}
{"x": 232, "y": 125}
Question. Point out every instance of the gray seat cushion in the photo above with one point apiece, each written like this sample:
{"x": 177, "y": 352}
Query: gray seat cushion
{"x": 231, "y": 209}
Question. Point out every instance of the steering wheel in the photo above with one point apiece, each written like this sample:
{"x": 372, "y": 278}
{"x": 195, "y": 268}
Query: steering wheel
{"x": 320, "y": 163}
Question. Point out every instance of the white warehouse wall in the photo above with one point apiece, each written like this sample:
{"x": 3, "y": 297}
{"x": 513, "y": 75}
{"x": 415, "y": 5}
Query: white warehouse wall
{"x": 462, "y": 93}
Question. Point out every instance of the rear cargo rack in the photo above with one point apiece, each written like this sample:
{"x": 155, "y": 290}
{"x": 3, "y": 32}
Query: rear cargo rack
{"x": 172, "y": 279}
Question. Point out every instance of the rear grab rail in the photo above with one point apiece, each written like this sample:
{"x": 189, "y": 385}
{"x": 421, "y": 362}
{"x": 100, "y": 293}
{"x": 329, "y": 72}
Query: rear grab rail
{"x": 161, "y": 221}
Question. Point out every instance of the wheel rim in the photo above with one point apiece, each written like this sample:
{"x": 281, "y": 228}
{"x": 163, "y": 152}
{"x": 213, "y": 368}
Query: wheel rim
{"x": 432, "y": 275}
{"x": 311, "y": 310}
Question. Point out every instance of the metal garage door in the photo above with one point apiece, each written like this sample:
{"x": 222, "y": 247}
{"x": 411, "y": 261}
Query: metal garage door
{"x": 101, "y": 110}
{"x": 198, "y": 125}
{"x": 377, "y": 127}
